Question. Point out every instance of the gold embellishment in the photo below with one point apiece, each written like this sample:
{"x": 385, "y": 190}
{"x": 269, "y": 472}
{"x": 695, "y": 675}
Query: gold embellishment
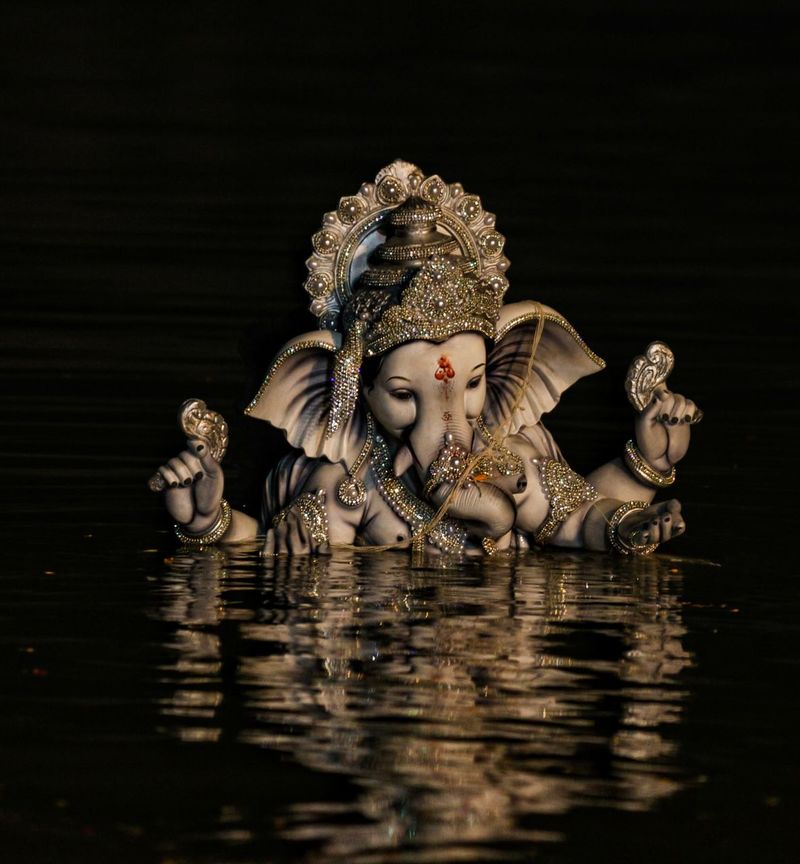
{"x": 554, "y": 319}
{"x": 566, "y": 491}
{"x": 489, "y": 546}
{"x": 345, "y": 384}
{"x": 447, "y": 467}
{"x": 213, "y": 535}
{"x": 347, "y": 234}
{"x": 441, "y": 300}
{"x": 318, "y": 285}
{"x": 645, "y": 472}
{"x": 469, "y": 208}
{"x": 311, "y": 509}
{"x": 506, "y": 461}
{"x": 351, "y": 491}
{"x": 448, "y": 535}
{"x": 612, "y": 530}
{"x": 351, "y": 208}
{"x": 325, "y": 242}
{"x": 416, "y": 251}
{"x": 305, "y": 345}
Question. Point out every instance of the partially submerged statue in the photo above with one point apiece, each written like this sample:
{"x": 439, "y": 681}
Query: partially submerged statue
{"x": 415, "y": 410}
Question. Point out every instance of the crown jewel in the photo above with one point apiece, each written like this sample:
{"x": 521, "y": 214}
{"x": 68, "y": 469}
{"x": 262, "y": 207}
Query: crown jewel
{"x": 381, "y": 236}
{"x": 430, "y": 265}
{"x": 440, "y": 301}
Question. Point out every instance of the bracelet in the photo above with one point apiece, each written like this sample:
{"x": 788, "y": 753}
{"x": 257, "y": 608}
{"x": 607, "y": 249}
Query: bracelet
{"x": 311, "y": 509}
{"x": 644, "y": 472}
{"x": 213, "y": 535}
{"x": 612, "y": 530}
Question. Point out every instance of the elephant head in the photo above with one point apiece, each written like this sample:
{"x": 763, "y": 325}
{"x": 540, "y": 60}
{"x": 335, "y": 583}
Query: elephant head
{"x": 427, "y": 394}
{"x": 409, "y": 278}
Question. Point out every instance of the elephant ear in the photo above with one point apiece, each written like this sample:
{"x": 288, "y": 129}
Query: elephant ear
{"x": 296, "y": 395}
{"x": 518, "y": 392}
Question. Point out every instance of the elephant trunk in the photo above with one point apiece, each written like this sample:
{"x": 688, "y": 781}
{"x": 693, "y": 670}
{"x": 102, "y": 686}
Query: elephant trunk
{"x": 426, "y": 444}
{"x": 486, "y": 509}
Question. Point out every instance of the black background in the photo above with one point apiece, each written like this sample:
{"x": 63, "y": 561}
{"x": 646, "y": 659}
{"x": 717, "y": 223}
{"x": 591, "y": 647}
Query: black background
{"x": 164, "y": 165}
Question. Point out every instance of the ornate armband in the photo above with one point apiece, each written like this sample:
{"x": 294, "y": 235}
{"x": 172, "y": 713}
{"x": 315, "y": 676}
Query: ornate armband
{"x": 310, "y": 507}
{"x": 565, "y": 490}
{"x": 644, "y": 472}
{"x": 213, "y": 535}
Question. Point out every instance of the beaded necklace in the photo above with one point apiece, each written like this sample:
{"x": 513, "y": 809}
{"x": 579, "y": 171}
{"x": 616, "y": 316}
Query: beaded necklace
{"x": 448, "y": 535}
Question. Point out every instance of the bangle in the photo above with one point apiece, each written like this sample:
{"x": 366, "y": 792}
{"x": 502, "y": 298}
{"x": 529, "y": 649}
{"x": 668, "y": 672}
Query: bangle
{"x": 213, "y": 535}
{"x": 645, "y": 472}
{"x": 612, "y": 530}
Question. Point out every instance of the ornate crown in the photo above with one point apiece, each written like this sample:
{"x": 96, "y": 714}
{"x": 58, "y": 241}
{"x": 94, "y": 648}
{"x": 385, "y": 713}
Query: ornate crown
{"x": 410, "y": 257}
{"x": 381, "y": 236}
{"x": 440, "y": 301}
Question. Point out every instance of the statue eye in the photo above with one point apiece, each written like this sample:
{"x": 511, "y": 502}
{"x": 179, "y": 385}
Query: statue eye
{"x": 475, "y": 382}
{"x": 402, "y": 395}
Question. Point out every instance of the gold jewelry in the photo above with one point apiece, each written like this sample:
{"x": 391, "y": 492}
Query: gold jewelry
{"x": 351, "y": 491}
{"x": 397, "y": 221}
{"x": 442, "y": 299}
{"x": 449, "y": 535}
{"x": 447, "y": 467}
{"x": 345, "y": 377}
{"x": 213, "y": 535}
{"x": 489, "y": 546}
{"x": 311, "y": 509}
{"x": 645, "y": 472}
{"x": 506, "y": 461}
{"x": 566, "y": 491}
{"x": 612, "y": 530}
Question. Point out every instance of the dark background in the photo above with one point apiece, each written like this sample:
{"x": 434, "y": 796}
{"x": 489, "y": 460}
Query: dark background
{"x": 163, "y": 166}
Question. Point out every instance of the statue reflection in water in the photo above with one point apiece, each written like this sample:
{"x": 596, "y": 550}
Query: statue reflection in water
{"x": 463, "y": 706}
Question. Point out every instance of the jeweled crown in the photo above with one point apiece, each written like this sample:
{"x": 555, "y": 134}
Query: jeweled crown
{"x": 430, "y": 265}
{"x": 442, "y": 298}
{"x": 381, "y": 236}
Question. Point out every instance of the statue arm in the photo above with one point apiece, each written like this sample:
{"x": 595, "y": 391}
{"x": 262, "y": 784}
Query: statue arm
{"x": 560, "y": 508}
{"x": 315, "y": 519}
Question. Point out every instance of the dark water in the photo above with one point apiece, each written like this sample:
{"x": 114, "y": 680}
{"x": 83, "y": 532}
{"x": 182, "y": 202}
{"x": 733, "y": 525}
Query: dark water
{"x": 199, "y": 707}
{"x": 163, "y": 166}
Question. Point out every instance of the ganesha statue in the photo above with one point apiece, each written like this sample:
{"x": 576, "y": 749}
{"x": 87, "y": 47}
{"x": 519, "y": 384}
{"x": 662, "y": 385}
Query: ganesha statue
{"x": 415, "y": 409}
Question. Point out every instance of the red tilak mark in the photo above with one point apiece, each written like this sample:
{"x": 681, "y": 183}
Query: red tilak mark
{"x": 445, "y": 370}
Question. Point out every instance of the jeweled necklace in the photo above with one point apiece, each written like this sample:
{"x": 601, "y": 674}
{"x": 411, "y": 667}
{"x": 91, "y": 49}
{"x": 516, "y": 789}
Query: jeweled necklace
{"x": 351, "y": 491}
{"x": 448, "y": 535}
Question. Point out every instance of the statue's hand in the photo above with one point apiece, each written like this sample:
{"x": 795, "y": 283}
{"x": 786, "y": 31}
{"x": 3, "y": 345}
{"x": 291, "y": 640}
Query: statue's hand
{"x": 301, "y": 528}
{"x": 655, "y": 524}
{"x": 194, "y": 485}
{"x": 662, "y": 429}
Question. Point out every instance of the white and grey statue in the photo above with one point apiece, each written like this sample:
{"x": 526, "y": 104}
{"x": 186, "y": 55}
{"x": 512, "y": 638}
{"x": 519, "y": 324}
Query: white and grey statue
{"x": 415, "y": 409}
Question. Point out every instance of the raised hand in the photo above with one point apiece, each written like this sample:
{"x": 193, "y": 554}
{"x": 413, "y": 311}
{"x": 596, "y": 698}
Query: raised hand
{"x": 194, "y": 486}
{"x": 662, "y": 428}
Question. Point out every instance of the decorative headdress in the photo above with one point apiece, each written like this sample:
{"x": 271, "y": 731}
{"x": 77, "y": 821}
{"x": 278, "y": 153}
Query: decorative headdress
{"x": 409, "y": 257}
